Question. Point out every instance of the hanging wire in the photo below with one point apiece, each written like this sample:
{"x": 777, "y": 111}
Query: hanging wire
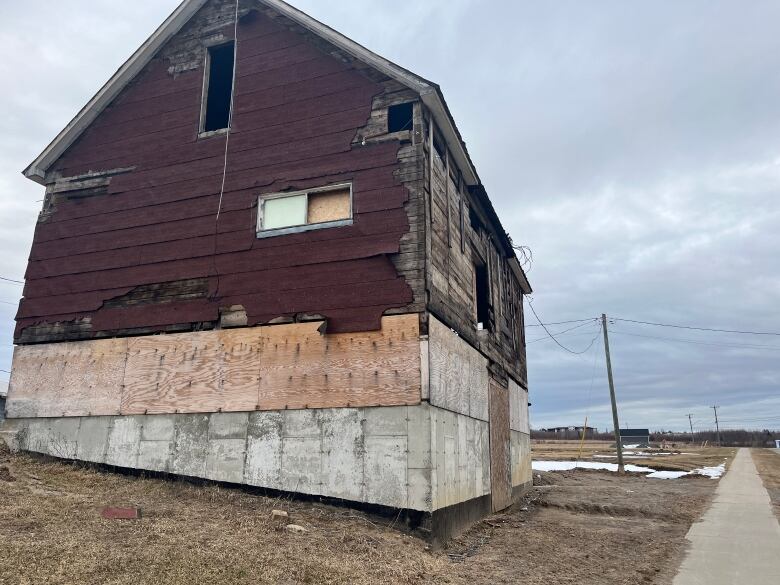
{"x": 571, "y": 351}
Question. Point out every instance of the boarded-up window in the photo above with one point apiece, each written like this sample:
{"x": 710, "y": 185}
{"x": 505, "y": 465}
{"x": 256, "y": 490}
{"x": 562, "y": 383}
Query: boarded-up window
{"x": 303, "y": 210}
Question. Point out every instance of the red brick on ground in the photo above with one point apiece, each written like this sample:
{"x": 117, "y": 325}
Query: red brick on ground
{"x": 121, "y": 513}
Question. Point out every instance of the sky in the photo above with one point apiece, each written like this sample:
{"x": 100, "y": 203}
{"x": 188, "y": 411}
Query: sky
{"x": 634, "y": 147}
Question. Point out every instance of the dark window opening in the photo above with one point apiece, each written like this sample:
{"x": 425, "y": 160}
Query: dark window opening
{"x": 220, "y": 88}
{"x": 462, "y": 226}
{"x": 474, "y": 220}
{"x": 400, "y": 117}
{"x": 439, "y": 148}
{"x": 482, "y": 296}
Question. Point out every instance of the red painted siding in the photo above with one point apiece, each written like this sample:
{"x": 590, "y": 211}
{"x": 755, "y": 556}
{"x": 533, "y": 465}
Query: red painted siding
{"x": 297, "y": 111}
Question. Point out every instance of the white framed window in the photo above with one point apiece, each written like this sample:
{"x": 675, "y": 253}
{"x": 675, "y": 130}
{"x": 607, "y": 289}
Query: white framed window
{"x": 300, "y": 211}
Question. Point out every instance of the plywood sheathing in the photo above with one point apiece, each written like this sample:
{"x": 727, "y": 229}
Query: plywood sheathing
{"x": 262, "y": 368}
{"x": 458, "y": 373}
{"x": 500, "y": 450}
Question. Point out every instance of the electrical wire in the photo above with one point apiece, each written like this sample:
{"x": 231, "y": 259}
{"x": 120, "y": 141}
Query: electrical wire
{"x": 695, "y": 342}
{"x": 11, "y": 280}
{"x": 227, "y": 145}
{"x": 696, "y": 328}
{"x": 571, "y": 351}
{"x": 559, "y": 333}
{"x": 526, "y": 257}
{"x": 563, "y": 322}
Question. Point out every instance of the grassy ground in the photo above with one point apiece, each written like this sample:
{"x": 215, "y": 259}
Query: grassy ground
{"x": 677, "y": 457}
{"x": 768, "y": 464}
{"x": 574, "y": 527}
{"x": 52, "y": 532}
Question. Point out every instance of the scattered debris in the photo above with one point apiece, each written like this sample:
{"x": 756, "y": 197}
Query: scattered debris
{"x": 279, "y": 514}
{"x": 121, "y": 513}
{"x": 295, "y": 529}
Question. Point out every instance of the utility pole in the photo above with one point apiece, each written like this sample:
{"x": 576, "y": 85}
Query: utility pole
{"x": 691, "y": 423}
{"x": 615, "y": 423}
{"x": 715, "y": 408}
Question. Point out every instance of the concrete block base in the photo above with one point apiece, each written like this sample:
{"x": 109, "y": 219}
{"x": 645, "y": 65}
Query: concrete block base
{"x": 430, "y": 463}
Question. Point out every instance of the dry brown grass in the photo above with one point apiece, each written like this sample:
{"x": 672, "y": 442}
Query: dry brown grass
{"x": 683, "y": 457}
{"x": 768, "y": 465}
{"x": 52, "y": 532}
{"x": 584, "y": 527}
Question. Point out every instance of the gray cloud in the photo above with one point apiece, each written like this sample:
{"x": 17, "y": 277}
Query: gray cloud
{"x": 633, "y": 146}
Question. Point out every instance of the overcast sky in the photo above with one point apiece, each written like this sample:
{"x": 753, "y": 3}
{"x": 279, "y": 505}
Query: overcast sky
{"x": 634, "y": 146}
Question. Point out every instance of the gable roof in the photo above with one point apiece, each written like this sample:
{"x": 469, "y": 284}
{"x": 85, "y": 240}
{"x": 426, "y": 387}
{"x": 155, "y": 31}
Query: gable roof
{"x": 430, "y": 94}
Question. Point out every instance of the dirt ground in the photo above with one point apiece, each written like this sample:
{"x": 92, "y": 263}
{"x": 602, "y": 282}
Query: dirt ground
{"x": 574, "y": 527}
{"x": 768, "y": 464}
{"x": 673, "y": 457}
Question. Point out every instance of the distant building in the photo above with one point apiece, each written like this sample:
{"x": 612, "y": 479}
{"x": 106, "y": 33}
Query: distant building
{"x": 570, "y": 432}
{"x": 639, "y": 437}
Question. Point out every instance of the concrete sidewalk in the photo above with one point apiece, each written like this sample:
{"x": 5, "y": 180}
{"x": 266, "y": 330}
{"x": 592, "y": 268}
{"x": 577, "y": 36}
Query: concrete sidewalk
{"x": 737, "y": 541}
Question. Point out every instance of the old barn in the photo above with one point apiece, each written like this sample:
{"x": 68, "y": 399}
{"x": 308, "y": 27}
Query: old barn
{"x": 265, "y": 257}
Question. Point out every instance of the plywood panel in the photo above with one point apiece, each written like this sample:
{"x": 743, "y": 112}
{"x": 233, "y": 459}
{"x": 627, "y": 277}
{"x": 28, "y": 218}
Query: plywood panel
{"x": 518, "y": 408}
{"x": 269, "y": 368}
{"x": 500, "y": 451}
{"x": 67, "y": 379}
{"x": 458, "y": 373}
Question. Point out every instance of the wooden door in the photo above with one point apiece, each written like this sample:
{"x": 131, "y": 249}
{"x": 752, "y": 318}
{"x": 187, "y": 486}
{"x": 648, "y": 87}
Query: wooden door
{"x": 500, "y": 459}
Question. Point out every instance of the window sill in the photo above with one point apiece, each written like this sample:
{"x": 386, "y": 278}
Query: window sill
{"x": 211, "y": 133}
{"x": 303, "y": 228}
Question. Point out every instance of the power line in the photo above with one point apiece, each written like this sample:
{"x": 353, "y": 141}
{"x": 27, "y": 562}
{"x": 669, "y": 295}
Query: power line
{"x": 8, "y": 303}
{"x": 563, "y": 322}
{"x": 696, "y": 342}
{"x": 11, "y": 280}
{"x": 553, "y": 337}
{"x": 697, "y": 328}
{"x": 559, "y": 333}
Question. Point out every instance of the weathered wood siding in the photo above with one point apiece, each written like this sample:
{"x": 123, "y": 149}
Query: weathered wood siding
{"x": 144, "y": 217}
{"x": 233, "y": 370}
{"x": 453, "y": 244}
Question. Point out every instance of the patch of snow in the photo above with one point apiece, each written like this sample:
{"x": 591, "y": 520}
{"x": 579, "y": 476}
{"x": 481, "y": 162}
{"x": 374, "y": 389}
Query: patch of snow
{"x": 638, "y": 455}
{"x": 667, "y": 474}
{"x": 569, "y": 465}
{"x": 711, "y": 472}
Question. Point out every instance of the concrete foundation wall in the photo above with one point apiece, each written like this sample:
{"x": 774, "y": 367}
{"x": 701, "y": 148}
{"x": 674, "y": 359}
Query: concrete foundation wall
{"x": 416, "y": 457}
{"x": 371, "y": 455}
{"x": 460, "y": 454}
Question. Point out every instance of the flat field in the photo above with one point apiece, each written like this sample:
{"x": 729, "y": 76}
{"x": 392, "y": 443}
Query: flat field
{"x": 673, "y": 457}
{"x": 768, "y": 465}
{"x": 573, "y": 527}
